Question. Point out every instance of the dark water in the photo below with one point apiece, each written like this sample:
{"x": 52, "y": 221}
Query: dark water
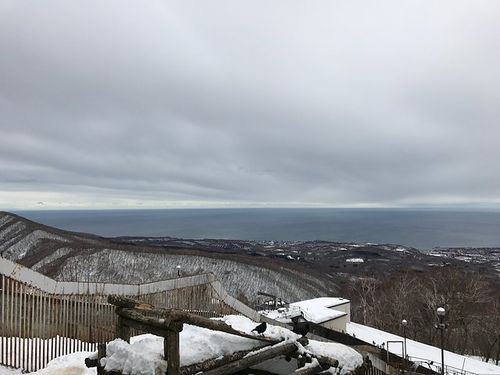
{"x": 421, "y": 228}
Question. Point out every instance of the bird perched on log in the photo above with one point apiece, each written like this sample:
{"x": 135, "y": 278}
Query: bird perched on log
{"x": 301, "y": 328}
{"x": 260, "y": 328}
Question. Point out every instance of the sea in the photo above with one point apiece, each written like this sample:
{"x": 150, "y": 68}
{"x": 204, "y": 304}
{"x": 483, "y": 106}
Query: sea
{"x": 424, "y": 229}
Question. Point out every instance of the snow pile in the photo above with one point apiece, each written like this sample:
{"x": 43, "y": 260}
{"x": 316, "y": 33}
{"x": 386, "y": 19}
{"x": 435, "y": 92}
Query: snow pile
{"x": 348, "y": 358}
{"x": 145, "y": 353}
{"x": 71, "y": 364}
{"x": 139, "y": 357}
{"x": 199, "y": 344}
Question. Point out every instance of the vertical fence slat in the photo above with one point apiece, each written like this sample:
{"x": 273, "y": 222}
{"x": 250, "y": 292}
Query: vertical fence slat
{"x": 65, "y": 322}
{"x": 77, "y": 321}
{"x": 31, "y": 365}
{"x": 16, "y": 324}
{"x": 51, "y": 325}
{"x": 2, "y": 328}
{"x": 59, "y": 326}
{"x": 10, "y": 354}
{"x": 46, "y": 329}
{"x": 42, "y": 330}
{"x": 22, "y": 326}
{"x": 72, "y": 318}
{"x": 96, "y": 317}
{"x": 38, "y": 353}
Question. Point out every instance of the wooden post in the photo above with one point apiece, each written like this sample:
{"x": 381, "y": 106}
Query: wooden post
{"x": 172, "y": 350}
{"x": 101, "y": 353}
{"x": 122, "y": 330}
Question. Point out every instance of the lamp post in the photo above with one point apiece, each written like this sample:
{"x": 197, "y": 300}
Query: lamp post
{"x": 404, "y": 323}
{"x": 441, "y": 312}
{"x": 178, "y": 271}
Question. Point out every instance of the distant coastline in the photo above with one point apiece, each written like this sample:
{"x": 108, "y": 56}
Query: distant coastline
{"x": 420, "y": 228}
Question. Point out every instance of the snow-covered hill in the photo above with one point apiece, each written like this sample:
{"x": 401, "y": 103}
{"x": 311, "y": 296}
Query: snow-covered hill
{"x": 71, "y": 256}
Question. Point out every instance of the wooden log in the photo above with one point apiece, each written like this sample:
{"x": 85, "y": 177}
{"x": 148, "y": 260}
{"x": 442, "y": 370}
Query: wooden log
{"x": 327, "y": 361}
{"x": 162, "y": 318}
{"x": 210, "y": 364}
{"x": 143, "y": 327}
{"x": 253, "y": 359}
{"x": 133, "y": 314}
{"x": 310, "y": 369}
{"x": 122, "y": 301}
{"x": 324, "y": 361}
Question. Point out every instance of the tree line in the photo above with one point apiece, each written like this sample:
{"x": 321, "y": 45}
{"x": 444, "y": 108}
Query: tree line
{"x": 472, "y": 304}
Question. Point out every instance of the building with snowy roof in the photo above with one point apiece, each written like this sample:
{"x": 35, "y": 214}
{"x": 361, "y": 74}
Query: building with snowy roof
{"x": 330, "y": 312}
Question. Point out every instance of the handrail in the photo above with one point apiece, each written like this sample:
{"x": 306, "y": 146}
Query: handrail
{"x": 437, "y": 365}
{"x": 26, "y": 275}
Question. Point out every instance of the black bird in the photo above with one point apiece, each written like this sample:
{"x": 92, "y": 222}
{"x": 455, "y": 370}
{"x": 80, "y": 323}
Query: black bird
{"x": 301, "y": 328}
{"x": 260, "y": 328}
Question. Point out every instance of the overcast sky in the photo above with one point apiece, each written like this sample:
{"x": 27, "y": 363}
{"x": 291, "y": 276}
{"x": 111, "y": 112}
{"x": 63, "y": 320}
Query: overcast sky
{"x": 249, "y": 103}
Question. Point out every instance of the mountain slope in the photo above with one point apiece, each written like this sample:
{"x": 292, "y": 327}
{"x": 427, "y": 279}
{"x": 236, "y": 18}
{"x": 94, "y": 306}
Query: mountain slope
{"x": 74, "y": 256}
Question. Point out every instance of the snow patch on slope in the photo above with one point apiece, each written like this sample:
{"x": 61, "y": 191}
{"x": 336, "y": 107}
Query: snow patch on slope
{"x": 50, "y": 258}
{"x": 22, "y": 247}
{"x": 127, "y": 267}
{"x": 10, "y": 234}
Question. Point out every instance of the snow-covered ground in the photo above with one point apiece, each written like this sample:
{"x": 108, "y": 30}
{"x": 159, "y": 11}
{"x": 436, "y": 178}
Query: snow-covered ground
{"x": 71, "y": 364}
{"x": 18, "y": 349}
{"x": 8, "y": 371}
{"x": 144, "y": 355}
{"x": 418, "y": 351}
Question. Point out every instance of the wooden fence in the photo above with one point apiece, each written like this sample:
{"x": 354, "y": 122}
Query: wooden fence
{"x": 37, "y": 326}
{"x": 42, "y": 319}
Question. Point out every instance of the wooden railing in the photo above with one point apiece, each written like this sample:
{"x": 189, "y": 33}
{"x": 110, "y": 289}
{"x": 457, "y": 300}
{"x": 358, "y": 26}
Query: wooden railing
{"x": 168, "y": 323}
{"x": 41, "y": 319}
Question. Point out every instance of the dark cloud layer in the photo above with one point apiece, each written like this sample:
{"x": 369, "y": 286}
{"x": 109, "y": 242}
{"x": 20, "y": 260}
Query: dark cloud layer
{"x": 159, "y": 103}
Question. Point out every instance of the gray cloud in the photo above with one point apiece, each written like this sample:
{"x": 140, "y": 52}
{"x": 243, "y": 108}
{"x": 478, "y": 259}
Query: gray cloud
{"x": 126, "y": 103}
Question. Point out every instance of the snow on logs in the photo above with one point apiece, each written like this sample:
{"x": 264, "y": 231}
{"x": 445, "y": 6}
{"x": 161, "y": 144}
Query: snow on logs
{"x": 168, "y": 323}
{"x": 258, "y": 356}
{"x": 161, "y": 320}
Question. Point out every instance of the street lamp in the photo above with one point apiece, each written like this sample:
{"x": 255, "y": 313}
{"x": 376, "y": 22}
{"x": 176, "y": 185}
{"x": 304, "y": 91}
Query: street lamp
{"x": 404, "y": 323}
{"x": 178, "y": 271}
{"x": 441, "y": 312}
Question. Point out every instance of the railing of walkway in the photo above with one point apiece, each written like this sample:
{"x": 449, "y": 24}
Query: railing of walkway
{"x": 41, "y": 319}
